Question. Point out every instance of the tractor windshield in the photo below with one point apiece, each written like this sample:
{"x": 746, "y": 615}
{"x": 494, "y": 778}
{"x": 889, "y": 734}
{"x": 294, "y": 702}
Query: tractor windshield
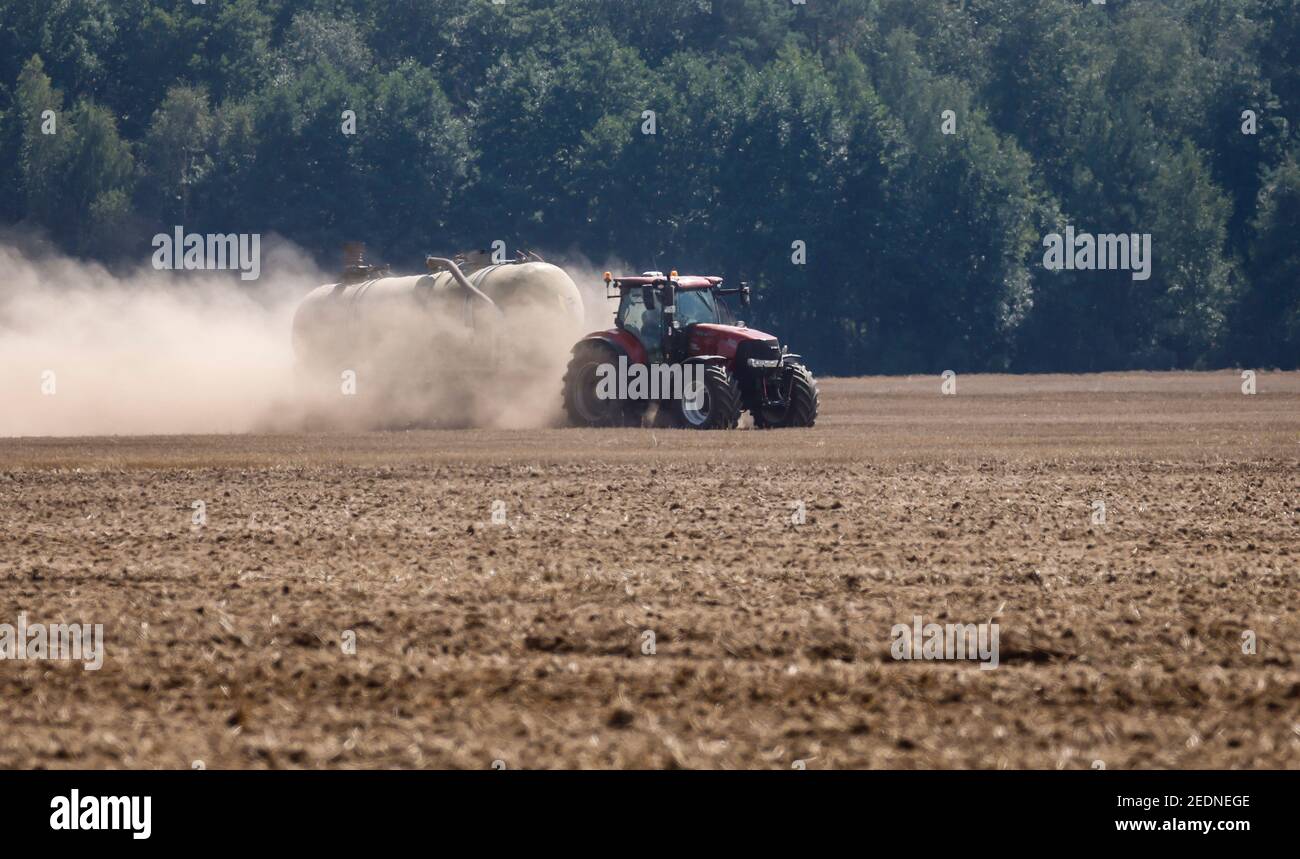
{"x": 695, "y": 305}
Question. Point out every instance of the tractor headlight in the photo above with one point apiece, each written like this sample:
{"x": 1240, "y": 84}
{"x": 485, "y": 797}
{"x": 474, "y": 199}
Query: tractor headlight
{"x": 765, "y": 362}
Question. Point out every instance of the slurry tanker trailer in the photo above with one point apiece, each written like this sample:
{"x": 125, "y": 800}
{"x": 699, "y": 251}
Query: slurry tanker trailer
{"x": 428, "y": 347}
{"x": 477, "y": 340}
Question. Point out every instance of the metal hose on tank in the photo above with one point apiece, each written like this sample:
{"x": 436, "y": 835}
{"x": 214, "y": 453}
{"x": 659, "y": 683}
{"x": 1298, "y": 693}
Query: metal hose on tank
{"x": 435, "y": 263}
{"x": 494, "y": 330}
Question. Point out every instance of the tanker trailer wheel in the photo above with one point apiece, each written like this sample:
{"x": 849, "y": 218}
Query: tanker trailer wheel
{"x": 718, "y": 406}
{"x": 581, "y": 403}
{"x": 799, "y": 389}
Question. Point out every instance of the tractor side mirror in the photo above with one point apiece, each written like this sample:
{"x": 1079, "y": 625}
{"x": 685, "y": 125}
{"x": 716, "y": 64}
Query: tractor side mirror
{"x": 648, "y": 296}
{"x": 744, "y": 294}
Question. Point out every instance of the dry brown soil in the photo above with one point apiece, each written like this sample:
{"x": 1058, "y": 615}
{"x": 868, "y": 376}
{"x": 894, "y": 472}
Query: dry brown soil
{"x": 523, "y": 642}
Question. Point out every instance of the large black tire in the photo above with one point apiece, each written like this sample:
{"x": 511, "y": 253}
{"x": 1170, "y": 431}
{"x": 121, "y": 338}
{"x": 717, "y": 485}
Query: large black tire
{"x": 802, "y": 401}
{"x": 721, "y": 406}
{"x": 581, "y": 405}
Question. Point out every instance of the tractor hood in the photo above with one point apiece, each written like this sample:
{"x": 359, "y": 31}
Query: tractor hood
{"x": 709, "y": 338}
{"x": 740, "y": 332}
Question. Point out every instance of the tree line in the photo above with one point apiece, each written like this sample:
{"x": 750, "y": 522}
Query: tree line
{"x": 882, "y": 172}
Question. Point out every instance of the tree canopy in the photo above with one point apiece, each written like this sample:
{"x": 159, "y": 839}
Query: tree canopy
{"x": 882, "y": 172}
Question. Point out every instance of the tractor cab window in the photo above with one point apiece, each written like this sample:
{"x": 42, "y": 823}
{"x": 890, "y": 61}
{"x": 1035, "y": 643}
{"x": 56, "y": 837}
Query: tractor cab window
{"x": 643, "y": 323}
{"x": 726, "y": 315}
{"x": 695, "y": 305}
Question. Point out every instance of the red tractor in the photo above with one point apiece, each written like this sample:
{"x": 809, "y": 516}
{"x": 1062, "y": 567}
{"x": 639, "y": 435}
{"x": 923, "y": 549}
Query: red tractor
{"x": 684, "y": 324}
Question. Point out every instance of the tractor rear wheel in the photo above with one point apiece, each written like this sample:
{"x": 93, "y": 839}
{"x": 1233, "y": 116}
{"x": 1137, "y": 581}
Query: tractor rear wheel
{"x": 718, "y": 406}
{"x": 582, "y": 405}
{"x": 801, "y": 401}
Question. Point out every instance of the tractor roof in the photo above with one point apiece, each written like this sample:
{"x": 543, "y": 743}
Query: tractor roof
{"x": 689, "y": 282}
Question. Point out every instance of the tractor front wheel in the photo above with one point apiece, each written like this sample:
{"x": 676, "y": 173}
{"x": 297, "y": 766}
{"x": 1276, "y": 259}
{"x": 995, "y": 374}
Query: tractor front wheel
{"x": 716, "y": 406}
{"x": 799, "y": 389}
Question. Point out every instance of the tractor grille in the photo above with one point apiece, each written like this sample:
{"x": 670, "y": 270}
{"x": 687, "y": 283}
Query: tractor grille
{"x": 762, "y": 350}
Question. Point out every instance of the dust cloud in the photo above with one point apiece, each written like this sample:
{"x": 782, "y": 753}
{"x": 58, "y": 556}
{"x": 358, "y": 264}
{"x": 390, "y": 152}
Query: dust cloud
{"x": 87, "y": 351}
{"x": 411, "y": 361}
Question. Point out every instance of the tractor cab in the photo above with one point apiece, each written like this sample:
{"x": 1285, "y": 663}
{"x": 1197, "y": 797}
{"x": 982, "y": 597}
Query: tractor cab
{"x": 658, "y": 310}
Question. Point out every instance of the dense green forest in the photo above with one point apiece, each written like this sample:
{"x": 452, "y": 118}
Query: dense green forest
{"x": 775, "y": 122}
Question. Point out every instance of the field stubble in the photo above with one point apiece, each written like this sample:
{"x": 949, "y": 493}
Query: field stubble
{"x": 524, "y": 642}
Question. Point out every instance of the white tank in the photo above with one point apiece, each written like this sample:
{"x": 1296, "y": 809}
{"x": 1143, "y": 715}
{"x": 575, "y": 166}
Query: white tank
{"x": 356, "y": 319}
{"x": 432, "y": 342}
